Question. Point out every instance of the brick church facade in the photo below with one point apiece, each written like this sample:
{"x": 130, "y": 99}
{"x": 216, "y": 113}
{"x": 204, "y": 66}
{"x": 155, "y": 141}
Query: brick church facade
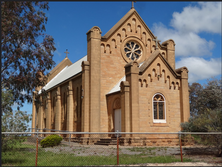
{"x": 126, "y": 82}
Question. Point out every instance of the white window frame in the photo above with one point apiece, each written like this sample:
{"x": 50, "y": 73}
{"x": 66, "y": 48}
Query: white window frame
{"x": 159, "y": 120}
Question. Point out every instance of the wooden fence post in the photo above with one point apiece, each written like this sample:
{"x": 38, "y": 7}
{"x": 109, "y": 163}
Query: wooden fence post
{"x": 181, "y": 154}
{"x": 117, "y": 148}
{"x": 36, "y": 157}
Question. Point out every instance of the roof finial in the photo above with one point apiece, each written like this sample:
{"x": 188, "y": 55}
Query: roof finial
{"x": 156, "y": 40}
{"x": 66, "y": 52}
{"x": 133, "y": 4}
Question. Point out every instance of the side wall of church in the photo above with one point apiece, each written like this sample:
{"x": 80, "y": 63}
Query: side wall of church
{"x": 77, "y": 103}
{"x": 63, "y": 94}
{"x": 77, "y": 111}
{"x": 53, "y": 107}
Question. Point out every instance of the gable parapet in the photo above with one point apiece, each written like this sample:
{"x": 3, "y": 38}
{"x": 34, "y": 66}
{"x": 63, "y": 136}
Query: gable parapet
{"x": 95, "y": 32}
{"x": 167, "y": 42}
{"x": 170, "y": 51}
{"x": 144, "y": 66}
{"x": 183, "y": 71}
{"x": 124, "y": 86}
{"x": 185, "y": 109}
{"x": 85, "y": 65}
{"x": 132, "y": 68}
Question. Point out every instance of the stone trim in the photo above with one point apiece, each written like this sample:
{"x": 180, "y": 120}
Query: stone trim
{"x": 150, "y": 60}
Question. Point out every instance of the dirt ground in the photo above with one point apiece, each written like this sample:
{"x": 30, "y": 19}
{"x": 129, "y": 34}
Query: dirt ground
{"x": 177, "y": 164}
{"x": 203, "y": 155}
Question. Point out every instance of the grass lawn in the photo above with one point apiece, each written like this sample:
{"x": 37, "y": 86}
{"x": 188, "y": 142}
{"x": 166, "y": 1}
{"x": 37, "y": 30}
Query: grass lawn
{"x": 24, "y": 155}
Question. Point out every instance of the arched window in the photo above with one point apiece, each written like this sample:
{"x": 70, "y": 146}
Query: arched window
{"x": 159, "y": 108}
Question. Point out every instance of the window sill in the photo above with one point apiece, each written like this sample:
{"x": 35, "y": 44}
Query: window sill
{"x": 159, "y": 121}
{"x": 160, "y": 124}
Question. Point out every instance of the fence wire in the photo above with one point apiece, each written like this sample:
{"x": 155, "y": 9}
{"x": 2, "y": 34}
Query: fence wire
{"x": 84, "y": 149}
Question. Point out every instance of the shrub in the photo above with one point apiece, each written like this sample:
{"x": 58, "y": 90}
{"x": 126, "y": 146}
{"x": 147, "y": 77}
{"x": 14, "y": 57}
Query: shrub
{"x": 209, "y": 121}
{"x": 9, "y": 143}
{"x": 50, "y": 141}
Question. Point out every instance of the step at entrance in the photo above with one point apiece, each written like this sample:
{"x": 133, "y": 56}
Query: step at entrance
{"x": 109, "y": 141}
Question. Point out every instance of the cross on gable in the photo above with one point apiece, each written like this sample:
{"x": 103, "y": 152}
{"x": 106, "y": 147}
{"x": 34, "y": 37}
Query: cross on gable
{"x": 66, "y": 52}
{"x": 133, "y": 4}
{"x": 156, "y": 40}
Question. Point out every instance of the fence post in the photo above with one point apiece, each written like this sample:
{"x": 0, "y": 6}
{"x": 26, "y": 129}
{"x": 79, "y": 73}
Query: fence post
{"x": 36, "y": 157}
{"x": 69, "y": 139}
{"x": 181, "y": 154}
{"x": 117, "y": 147}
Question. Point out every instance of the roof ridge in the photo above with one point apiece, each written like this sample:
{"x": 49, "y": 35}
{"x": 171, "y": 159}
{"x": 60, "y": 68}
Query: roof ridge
{"x": 119, "y": 23}
{"x": 59, "y": 64}
{"x": 53, "y": 78}
{"x": 66, "y": 73}
{"x": 123, "y": 19}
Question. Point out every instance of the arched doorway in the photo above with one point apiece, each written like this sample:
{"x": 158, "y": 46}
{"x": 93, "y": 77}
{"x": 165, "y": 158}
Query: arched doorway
{"x": 117, "y": 114}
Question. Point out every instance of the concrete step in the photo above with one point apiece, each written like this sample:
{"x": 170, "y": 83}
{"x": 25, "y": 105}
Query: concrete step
{"x": 110, "y": 141}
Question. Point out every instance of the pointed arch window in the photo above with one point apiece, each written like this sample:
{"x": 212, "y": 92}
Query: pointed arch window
{"x": 159, "y": 108}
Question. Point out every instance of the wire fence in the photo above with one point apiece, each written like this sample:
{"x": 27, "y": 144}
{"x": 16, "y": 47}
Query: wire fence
{"x": 98, "y": 148}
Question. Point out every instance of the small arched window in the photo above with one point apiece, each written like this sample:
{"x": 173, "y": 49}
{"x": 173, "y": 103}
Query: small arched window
{"x": 159, "y": 108}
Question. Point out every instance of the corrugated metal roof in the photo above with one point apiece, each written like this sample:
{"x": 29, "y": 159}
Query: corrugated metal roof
{"x": 116, "y": 88}
{"x": 65, "y": 74}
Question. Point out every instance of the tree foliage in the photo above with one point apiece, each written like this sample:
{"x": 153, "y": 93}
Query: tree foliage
{"x": 16, "y": 121}
{"x": 206, "y": 112}
{"x": 12, "y": 121}
{"x": 7, "y": 100}
{"x": 25, "y": 60}
{"x": 195, "y": 89}
{"x": 206, "y": 97}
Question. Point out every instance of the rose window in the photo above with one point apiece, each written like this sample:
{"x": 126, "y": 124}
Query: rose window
{"x": 133, "y": 50}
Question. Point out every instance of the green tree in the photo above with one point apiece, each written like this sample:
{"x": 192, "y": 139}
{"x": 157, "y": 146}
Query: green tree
{"x": 203, "y": 98}
{"x": 16, "y": 121}
{"x": 12, "y": 121}
{"x": 206, "y": 112}
{"x": 195, "y": 89}
{"x": 25, "y": 60}
{"x": 6, "y": 100}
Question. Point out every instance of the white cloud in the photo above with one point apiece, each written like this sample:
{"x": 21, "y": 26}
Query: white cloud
{"x": 200, "y": 68}
{"x": 187, "y": 44}
{"x": 58, "y": 53}
{"x": 206, "y": 17}
{"x": 57, "y": 45}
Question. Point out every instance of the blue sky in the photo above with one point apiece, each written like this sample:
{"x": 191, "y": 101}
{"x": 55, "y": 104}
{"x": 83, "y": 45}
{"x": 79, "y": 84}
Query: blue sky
{"x": 194, "y": 26}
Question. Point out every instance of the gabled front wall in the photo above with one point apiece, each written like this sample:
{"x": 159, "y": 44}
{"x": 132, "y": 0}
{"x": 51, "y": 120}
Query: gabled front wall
{"x": 113, "y": 58}
{"x": 158, "y": 79}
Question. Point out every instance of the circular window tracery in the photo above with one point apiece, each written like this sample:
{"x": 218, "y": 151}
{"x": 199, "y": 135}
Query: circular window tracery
{"x": 133, "y": 50}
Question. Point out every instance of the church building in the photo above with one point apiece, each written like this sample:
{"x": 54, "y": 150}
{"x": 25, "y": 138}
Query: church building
{"x": 126, "y": 82}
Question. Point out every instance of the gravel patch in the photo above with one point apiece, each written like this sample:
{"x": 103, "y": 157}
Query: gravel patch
{"x": 204, "y": 155}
